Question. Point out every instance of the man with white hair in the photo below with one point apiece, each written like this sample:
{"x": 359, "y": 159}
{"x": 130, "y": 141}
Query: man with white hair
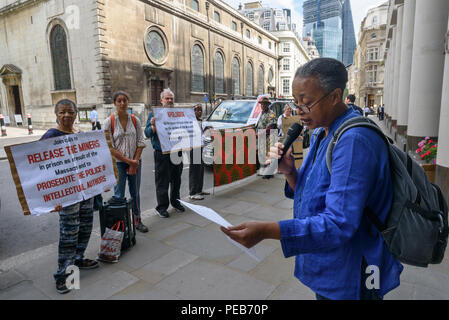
{"x": 166, "y": 174}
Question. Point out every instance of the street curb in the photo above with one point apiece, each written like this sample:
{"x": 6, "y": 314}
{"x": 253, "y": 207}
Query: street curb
{"x": 28, "y": 256}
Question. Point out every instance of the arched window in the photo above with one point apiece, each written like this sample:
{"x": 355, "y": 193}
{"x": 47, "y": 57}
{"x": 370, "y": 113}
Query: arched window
{"x": 219, "y": 73}
{"x": 235, "y": 76}
{"x": 260, "y": 81}
{"x": 270, "y": 76}
{"x": 197, "y": 69}
{"x": 249, "y": 79}
{"x": 195, "y": 5}
{"x": 60, "y": 58}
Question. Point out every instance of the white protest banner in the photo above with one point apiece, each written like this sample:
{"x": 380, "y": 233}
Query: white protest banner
{"x": 177, "y": 129}
{"x": 62, "y": 170}
{"x": 257, "y": 110}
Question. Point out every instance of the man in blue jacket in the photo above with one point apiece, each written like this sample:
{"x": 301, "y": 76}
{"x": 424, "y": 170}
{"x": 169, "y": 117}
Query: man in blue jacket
{"x": 339, "y": 253}
{"x": 166, "y": 173}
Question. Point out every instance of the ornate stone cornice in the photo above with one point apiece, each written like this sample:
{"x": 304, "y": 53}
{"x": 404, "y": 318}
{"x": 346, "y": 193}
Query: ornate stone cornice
{"x": 18, "y": 5}
{"x": 195, "y": 19}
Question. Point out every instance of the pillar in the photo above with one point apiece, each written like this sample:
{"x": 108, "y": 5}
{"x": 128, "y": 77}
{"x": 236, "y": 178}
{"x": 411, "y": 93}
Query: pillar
{"x": 442, "y": 169}
{"x": 427, "y": 70}
{"x": 406, "y": 64}
{"x": 397, "y": 63}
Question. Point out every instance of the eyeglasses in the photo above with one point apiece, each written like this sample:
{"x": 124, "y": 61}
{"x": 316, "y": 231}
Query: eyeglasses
{"x": 306, "y": 109}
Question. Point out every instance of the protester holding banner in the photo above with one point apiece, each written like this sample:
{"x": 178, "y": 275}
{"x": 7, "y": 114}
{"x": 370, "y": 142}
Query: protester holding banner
{"x": 266, "y": 122}
{"x": 166, "y": 174}
{"x": 75, "y": 221}
{"x": 127, "y": 143}
{"x": 196, "y": 170}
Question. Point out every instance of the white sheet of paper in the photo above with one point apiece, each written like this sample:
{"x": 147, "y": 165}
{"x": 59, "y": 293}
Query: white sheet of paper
{"x": 211, "y": 215}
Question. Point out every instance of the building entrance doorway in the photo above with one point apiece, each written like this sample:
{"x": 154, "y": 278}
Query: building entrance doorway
{"x": 17, "y": 103}
{"x": 156, "y": 89}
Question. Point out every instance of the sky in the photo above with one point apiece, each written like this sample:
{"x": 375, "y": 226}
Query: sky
{"x": 359, "y": 8}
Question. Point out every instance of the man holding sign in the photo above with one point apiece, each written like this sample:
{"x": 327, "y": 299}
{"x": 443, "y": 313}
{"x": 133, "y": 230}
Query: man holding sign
{"x": 167, "y": 174}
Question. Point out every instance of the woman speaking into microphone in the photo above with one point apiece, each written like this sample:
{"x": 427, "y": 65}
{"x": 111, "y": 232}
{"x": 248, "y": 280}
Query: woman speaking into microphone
{"x": 329, "y": 235}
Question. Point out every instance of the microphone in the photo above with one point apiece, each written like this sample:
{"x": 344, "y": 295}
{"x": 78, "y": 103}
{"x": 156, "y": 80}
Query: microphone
{"x": 292, "y": 134}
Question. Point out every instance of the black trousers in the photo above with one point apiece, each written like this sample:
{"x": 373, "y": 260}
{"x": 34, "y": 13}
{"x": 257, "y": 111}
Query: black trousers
{"x": 196, "y": 171}
{"x": 98, "y": 126}
{"x": 167, "y": 175}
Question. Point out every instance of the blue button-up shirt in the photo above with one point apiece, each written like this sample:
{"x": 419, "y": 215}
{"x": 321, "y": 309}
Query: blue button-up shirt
{"x": 152, "y": 135}
{"x": 329, "y": 235}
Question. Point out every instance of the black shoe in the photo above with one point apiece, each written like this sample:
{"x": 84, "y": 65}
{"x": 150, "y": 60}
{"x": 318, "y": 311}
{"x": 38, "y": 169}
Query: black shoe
{"x": 179, "y": 208}
{"x": 163, "y": 214}
{"x": 141, "y": 227}
{"x": 61, "y": 286}
{"x": 86, "y": 264}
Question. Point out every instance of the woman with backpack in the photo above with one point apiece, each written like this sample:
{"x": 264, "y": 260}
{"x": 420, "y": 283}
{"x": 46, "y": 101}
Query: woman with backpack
{"x": 127, "y": 142}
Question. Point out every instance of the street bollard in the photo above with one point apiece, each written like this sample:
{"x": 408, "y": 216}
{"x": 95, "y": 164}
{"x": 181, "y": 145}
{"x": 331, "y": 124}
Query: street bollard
{"x": 2, "y": 123}
{"x": 30, "y": 126}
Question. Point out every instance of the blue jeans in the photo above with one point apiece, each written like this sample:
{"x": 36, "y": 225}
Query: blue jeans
{"x": 133, "y": 185}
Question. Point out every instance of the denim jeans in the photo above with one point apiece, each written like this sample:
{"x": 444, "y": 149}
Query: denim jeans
{"x": 75, "y": 225}
{"x": 133, "y": 185}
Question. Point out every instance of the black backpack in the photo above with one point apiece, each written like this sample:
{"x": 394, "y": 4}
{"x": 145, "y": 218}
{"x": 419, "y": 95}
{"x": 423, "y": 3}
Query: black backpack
{"x": 115, "y": 210}
{"x": 416, "y": 228}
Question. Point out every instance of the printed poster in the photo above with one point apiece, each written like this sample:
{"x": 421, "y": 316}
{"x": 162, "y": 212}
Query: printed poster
{"x": 61, "y": 171}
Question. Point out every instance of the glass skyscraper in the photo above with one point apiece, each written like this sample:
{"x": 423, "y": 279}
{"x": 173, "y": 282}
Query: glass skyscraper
{"x": 349, "y": 42}
{"x": 330, "y": 24}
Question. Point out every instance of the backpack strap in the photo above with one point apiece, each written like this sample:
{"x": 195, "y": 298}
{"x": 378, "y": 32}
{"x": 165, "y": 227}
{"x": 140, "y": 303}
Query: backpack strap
{"x": 112, "y": 118}
{"x": 352, "y": 123}
{"x": 133, "y": 118}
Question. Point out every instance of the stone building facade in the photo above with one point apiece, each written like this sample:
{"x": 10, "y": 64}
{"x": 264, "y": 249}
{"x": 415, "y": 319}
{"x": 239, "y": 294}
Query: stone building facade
{"x": 86, "y": 49}
{"x": 366, "y": 75}
{"x": 292, "y": 55}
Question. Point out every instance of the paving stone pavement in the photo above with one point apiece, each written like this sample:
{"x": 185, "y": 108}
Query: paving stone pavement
{"x": 187, "y": 257}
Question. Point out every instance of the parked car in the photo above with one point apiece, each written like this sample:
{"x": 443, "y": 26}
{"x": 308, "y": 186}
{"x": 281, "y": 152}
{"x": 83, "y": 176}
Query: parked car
{"x": 232, "y": 114}
{"x": 229, "y": 114}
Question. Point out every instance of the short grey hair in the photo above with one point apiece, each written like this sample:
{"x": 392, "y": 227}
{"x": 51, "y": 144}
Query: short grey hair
{"x": 167, "y": 90}
{"x": 330, "y": 73}
{"x": 66, "y": 102}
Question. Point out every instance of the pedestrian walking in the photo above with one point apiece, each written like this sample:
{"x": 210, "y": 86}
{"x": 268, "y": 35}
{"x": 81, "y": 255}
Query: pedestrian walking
{"x": 94, "y": 119}
{"x": 333, "y": 241}
{"x": 350, "y": 101}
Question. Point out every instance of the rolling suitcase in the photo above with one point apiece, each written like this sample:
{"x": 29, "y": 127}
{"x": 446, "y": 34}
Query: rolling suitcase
{"x": 119, "y": 210}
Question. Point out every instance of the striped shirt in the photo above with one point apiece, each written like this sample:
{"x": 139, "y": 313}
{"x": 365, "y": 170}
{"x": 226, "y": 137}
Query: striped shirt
{"x": 125, "y": 142}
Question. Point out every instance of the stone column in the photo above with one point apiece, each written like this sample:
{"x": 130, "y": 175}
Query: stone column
{"x": 386, "y": 77}
{"x": 392, "y": 76}
{"x": 387, "y": 82}
{"x": 427, "y": 70}
{"x": 442, "y": 170}
{"x": 397, "y": 64}
{"x": 406, "y": 64}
